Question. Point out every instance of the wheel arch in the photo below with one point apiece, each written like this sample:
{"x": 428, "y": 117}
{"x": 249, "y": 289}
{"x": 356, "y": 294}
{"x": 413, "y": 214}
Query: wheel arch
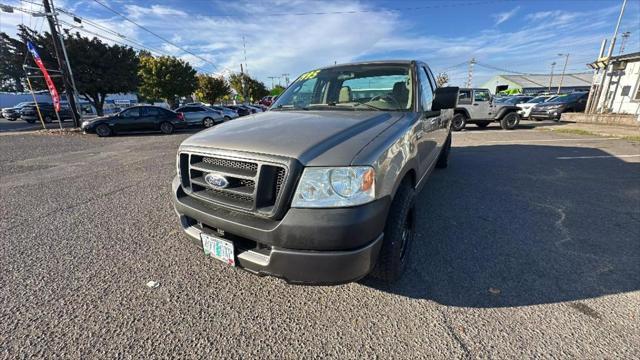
{"x": 462, "y": 111}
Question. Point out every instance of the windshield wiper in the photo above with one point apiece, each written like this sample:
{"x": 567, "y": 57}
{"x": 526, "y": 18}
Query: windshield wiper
{"x": 371, "y": 106}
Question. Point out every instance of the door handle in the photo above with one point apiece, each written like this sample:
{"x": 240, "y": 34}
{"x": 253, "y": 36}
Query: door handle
{"x": 476, "y": 104}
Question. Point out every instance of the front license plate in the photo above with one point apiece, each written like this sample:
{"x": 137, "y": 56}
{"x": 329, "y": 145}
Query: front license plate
{"x": 218, "y": 248}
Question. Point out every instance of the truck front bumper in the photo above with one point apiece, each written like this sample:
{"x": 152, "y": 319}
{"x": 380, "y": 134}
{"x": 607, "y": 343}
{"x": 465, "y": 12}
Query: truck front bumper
{"x": 306, "y": 246}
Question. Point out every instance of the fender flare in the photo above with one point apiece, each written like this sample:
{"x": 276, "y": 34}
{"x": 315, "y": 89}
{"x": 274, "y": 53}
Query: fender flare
{"x": 505, "y": 110}
{"x": 463, "y": 111}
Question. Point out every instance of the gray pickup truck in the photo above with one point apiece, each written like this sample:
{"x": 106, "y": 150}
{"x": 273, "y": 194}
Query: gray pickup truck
{"x": 321, "y": 188}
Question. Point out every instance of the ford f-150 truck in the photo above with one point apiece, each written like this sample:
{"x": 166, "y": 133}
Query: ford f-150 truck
{"x": 320, "y": 189}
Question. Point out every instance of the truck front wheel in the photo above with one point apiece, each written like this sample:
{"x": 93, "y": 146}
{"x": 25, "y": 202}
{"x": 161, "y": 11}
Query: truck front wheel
{"x": 399, "y": 232}
{"x": 510, "y": 121}
{"x": 458, "y": 123}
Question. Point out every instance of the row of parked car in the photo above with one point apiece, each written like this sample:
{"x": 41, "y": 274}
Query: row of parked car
{"x": 28, "y": 112}
{"x": 547, "y": 106}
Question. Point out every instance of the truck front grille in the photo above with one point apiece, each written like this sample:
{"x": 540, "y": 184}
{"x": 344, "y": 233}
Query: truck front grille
{"x": 252, "y": 185}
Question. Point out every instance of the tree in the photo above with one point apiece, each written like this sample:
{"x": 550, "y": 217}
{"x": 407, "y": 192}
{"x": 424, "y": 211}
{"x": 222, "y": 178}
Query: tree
{"x": 100, "y": 69}
{"x": 14, "y": 53}
{"x": 166, "y": 77}
{"x": 210, "y": 88}
{"x": 277, "y": 90}
{"x": 442, "y": 79}
{"x": 254, "y": 89}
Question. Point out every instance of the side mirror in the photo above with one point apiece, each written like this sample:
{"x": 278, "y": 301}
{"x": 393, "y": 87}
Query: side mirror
{"x": 445, "y": 98}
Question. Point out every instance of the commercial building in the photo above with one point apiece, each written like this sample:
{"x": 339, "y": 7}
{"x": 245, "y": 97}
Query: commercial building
{"x": 616, "y": 85}
{"x": 539, "y": 83}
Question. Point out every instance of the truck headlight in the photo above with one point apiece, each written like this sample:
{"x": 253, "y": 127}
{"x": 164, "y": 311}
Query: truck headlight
{"x": 335, "y": 187}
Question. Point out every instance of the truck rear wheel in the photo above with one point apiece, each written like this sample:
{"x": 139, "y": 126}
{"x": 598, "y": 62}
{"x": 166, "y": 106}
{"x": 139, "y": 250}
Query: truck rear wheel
{"x": 399, "y": 232}
{"x": 510, "y": 121}
{"x": 459, "y": 122}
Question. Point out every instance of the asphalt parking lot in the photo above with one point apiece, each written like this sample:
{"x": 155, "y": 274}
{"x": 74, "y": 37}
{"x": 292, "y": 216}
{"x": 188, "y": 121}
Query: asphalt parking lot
{"x": 527, "y": 246}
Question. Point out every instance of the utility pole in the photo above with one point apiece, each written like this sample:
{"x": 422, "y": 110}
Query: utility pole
{"x": 566, "y": 60}
{"x": 244, "y": 48}
{"x": 243, "y": 84}
{"x": 470, "y": 72}
{"x": 62, "y": 64}
{"x": 286, "y": 79}
{"x": 609, "y": 65}
{"x": 553, "y": 64}
{"x": 625, "y": 35}
{"x": 272, "y": 78}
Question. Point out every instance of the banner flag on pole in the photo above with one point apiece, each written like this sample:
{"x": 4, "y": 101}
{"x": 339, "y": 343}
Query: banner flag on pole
{"x": 52, "y": 88}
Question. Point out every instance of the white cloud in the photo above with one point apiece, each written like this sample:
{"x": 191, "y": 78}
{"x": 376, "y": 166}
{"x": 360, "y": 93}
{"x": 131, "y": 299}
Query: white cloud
{"x": 294, "y": 43}
{"x": 137, "y": 12}
{"x": 504, "y": 16}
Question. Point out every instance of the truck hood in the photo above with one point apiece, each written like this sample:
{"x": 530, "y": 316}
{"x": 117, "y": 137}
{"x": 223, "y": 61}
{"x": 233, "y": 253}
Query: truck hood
{"x": 315, "y": 138}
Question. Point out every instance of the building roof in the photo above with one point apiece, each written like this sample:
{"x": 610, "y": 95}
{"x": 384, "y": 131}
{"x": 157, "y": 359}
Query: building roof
{"x": 542, "y": 80}
{"x": 627, "y": 57}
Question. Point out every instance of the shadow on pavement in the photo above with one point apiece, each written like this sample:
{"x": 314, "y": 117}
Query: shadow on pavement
{"x": 524, "y": 125}
{"x": 513, "y": 225}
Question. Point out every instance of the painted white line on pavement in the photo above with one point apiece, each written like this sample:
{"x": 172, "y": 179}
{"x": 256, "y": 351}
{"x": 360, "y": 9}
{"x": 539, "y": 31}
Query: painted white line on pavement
{"x": 550, "y": 140}
{"x": 596, "y": 157}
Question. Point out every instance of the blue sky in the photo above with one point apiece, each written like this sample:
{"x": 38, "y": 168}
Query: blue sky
{"x": 297, "y": 36}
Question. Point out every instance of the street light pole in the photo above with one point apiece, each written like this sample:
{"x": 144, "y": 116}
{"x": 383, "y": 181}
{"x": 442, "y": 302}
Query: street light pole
{"x": 566, "y": 60}
{"x": 553, "y": 64}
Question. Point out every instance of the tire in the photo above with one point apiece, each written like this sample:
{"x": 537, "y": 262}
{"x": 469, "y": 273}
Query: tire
{"x": 510, "y": 121}
{"x": 103, "y": 130}
{"x": 399, "y": 232}
{"x": 443, "y": 158}
{"x": 227, "y": 118}
{"x": 31, "y": 121}
{"x": 166, "y": 128}
{"x": 459, "y": 122}
{"x": 208, "y": 122}
{"x": 12, "y": 119}
{"x": 483, "y": 124}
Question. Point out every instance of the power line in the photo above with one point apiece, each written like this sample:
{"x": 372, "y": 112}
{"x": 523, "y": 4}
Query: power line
{"x": 154, "y": 34}
{"x": 138, "y": 46}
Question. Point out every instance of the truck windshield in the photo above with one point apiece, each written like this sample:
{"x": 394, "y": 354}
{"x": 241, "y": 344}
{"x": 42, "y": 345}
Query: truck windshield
{"x": 356, "y": 87}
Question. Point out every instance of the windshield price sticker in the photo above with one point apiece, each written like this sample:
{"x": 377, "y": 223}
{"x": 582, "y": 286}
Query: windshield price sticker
{"x": 309, "y": 75}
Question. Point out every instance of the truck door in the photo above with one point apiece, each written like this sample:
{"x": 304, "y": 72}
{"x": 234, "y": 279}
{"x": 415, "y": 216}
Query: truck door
{"x": 427, "y": 135}
{"x": 481, "y": 108}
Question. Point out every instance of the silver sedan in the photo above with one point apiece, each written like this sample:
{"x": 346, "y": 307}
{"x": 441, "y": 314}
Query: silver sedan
{"x": 197, "y": 115}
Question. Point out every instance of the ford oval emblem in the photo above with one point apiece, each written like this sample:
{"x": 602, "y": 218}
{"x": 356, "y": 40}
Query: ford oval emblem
{"x": 216, "y": 180}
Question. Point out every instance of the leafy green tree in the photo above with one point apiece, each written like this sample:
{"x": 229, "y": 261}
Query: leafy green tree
{"x": 277, "y": 90}
{"x": 14, "y": 53}
{"x": 253, "y": 89}
{"x": 210, "y": 88}
{"x": 166, "y": 77}
{"x": 100, "y": 69}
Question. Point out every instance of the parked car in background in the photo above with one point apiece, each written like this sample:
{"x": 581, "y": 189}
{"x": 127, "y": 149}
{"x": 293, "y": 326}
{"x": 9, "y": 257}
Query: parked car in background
{"x": 553, "y": 110}
{"x": 136, "y": 118}
{"x": 254, "y": 108}
{"x": 515, "y": 100}
{"x": 525, "y": 107}
{"x": 226, "y": 112}
{"x": 241, "y": 110}
{"x": 476, "y": 106}
{"x": 29, "y": 113}
{"x": 266, "y": 101}
{"x": 200, "y": 115}
{"x": 13, "y": 113}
